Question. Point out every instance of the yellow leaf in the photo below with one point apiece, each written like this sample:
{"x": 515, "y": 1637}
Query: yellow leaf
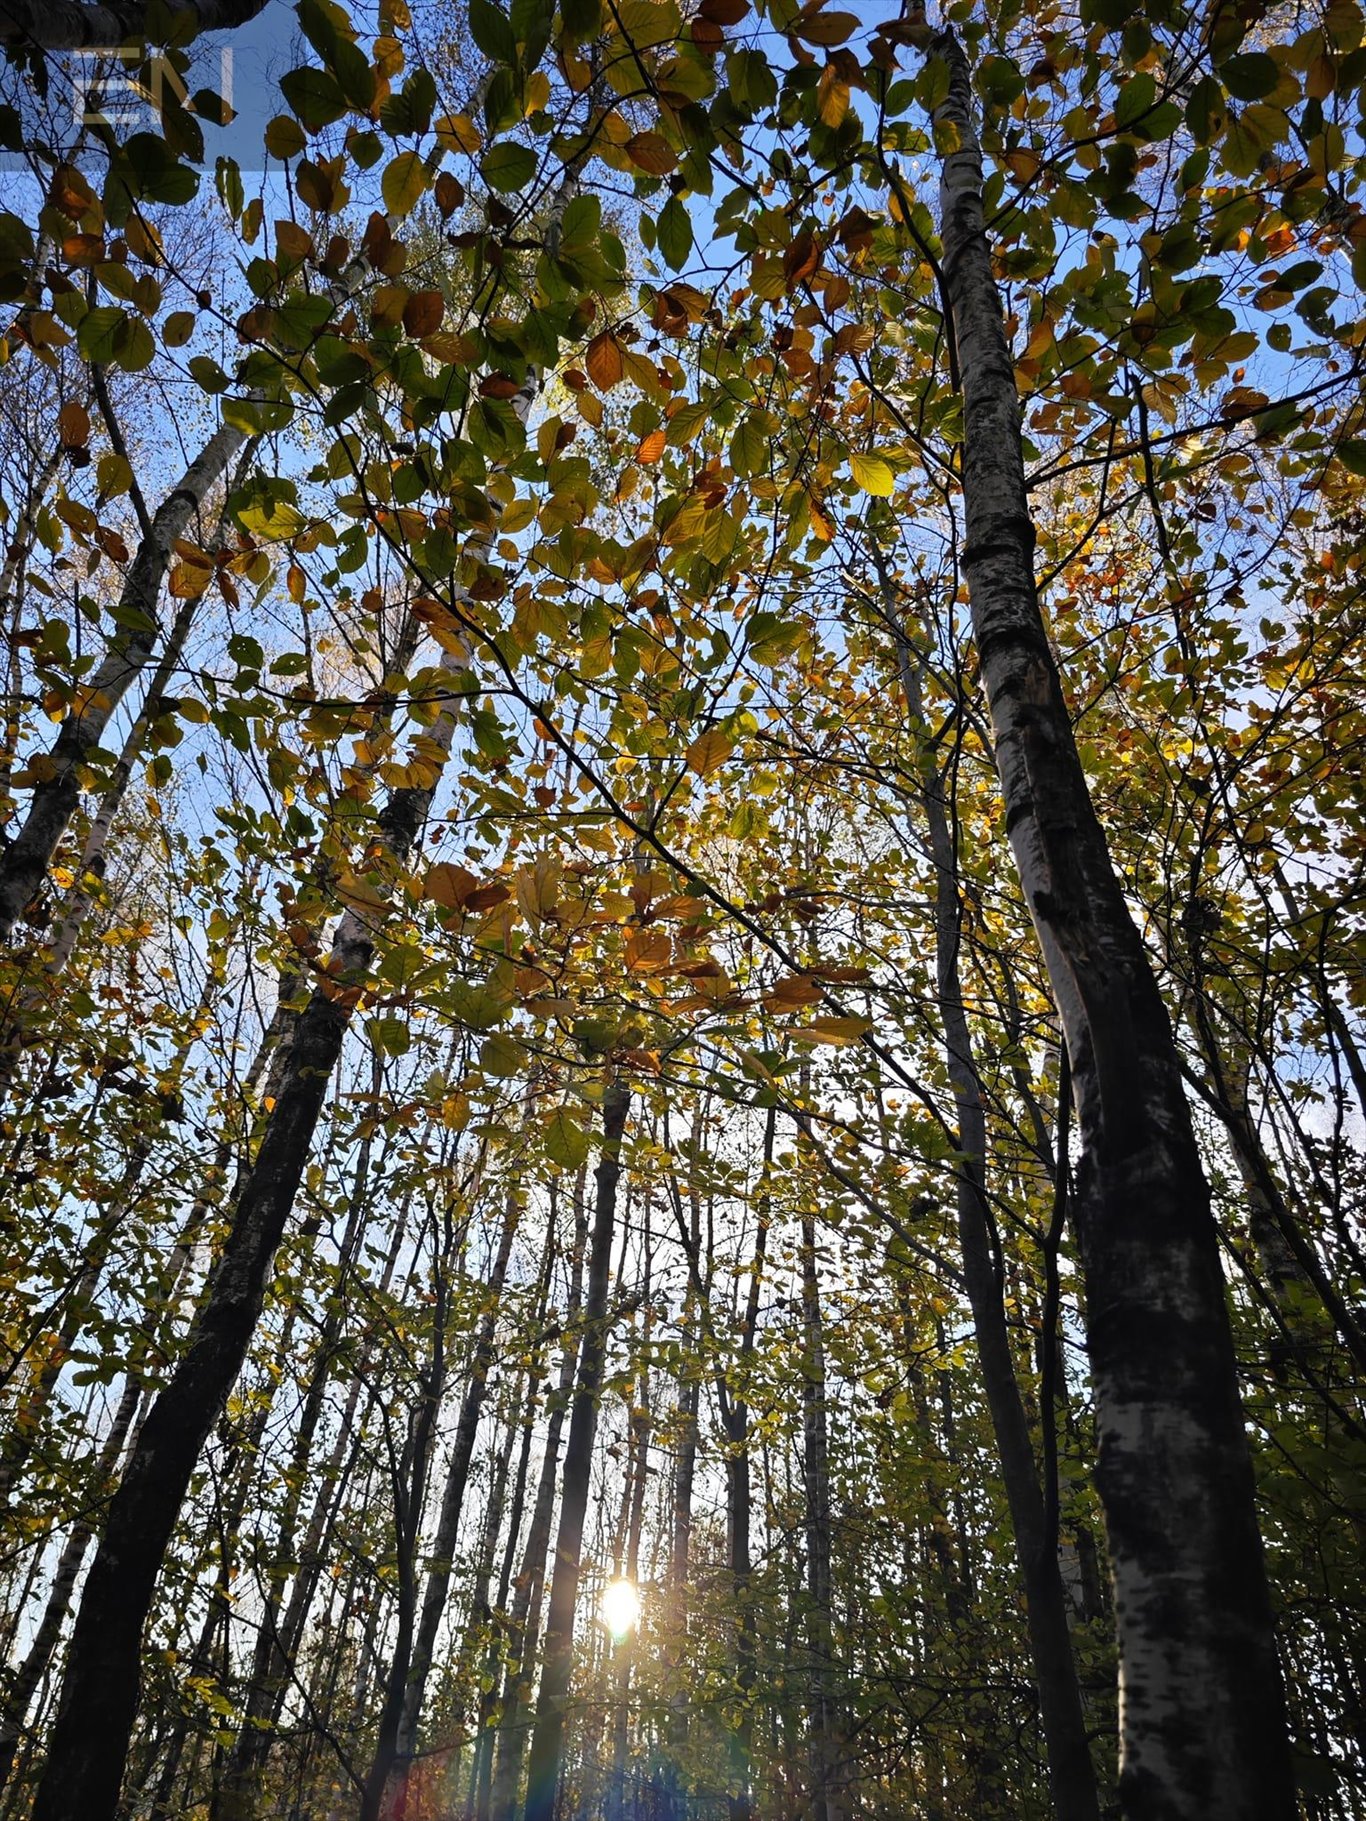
{"x": 873, "y": 475}
{"x": 405, "y": 179}
{"x": 458, "y": 133}
{"x": 708, "y": 751}
{"x": 838, "y": 1031}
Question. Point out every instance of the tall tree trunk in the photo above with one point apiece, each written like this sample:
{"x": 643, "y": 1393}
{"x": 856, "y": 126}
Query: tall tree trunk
{"x": 412, "y": 1658}
{"x": 23, "y": 867}
{"x": 525, "y": 1619}
{"x": 825, "y": 1803}
{"x": 547, "y": 1742}
{"x": 735, "y": 1421}
{"x": 24, "y": 1685}
{"x": 1203, "y": 1729}
{"x": 1071, "y": 1775}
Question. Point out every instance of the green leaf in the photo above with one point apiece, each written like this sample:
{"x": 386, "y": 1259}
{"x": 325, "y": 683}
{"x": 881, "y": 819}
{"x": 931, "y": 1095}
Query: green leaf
{"x": 566, "y": 1142}
{"x": 389, "y": 1035}
{"x": 531, "y": 24}
{"x": 675, "y": 233}
{"x": 98, "y": 334}
{"x": 314, "y": 96}
{"x": 1205, "y": 111}
{"x": 1134, "y": 99}
{"x": 492, "y": 31}
{"x": 1251, "y": 76}
{"x": 580, "y": 19}
{"x": 501, "y": 1055}
{"x": 1352, "y": 455}
{"x": 508, "y": 166}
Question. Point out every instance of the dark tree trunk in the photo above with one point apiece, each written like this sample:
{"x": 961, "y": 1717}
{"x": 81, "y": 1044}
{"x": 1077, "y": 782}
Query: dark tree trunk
{"x": 1071, "y": 1774}
{"x": 547, "y": 1742}
{"x": 525, "y": 1619}
{"x": 90, "y": 1736}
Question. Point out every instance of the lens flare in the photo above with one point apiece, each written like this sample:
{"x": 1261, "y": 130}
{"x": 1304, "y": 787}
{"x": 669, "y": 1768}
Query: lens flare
{"x": 620, "y": 1608}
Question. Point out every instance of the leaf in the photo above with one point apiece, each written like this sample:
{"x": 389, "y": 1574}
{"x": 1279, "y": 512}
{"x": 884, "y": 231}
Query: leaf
{"x": 1252, "y": 76}
{"x": 491, "y": 29}
{"x": 388, "y": 1034}
{"x": 1352, "y": 455}
{"x": 449, "y": 885}
{"x": 673, "y": 232}
{"x": 824, "y": 28}
{"x": 501, "y": 1055}
{"x": 508, "y": 166}
{"x": 648, "y": 950}
{"x": 873, "y": 475}
{"x": 566, "y": 1141}
{"x": 73, "y": 425}
{"x": 406, "y": 178}
{"x": 651, "y": 447}
{"x": 651, "y": 152}
{"x": 603, "y": 361}
{"x": 423, "y": 312}
{"x": 458, "y": 133}
{"x": 842, "y": 1032}
{"x": 793, "y": 992}
{"x": 315, "y": 97}
{"x": 709, "y": 750}
{"x": 98, "y": 332}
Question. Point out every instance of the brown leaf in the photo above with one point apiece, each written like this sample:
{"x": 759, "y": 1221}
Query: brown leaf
{"x": 648, "y": 950}
{"x": 423, "y": 312}
{"x": 816, "y": 27}
{"x": 73, "y": 425}
{"x": 652, "y": 153}
{"x": 449, "y": 885}
{"x": 801, "y": 259}
{"x": 709, "y": 750}
{"x": 294, "y": 242}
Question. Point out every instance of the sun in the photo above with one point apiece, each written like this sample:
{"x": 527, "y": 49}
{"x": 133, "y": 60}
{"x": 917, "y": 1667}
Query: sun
{"x": 620, "y": 1608}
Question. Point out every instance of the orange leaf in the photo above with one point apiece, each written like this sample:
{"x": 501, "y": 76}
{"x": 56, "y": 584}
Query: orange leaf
{"x": 73, "y": 425}
{"x": 604, "y": 362}
{"x": 651, "y": 447}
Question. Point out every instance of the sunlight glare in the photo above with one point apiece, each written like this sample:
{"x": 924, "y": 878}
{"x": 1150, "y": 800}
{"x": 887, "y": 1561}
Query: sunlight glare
{"x": 620, "y": 1608}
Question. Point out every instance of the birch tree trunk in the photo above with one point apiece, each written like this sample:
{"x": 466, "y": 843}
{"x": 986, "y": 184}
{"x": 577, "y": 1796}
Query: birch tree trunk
{"x": 1202, "y": 1718}
{"x": 25, "y": 862}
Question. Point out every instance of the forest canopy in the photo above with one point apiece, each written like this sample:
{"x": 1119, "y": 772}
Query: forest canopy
{"x": 682, "y": 1022}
